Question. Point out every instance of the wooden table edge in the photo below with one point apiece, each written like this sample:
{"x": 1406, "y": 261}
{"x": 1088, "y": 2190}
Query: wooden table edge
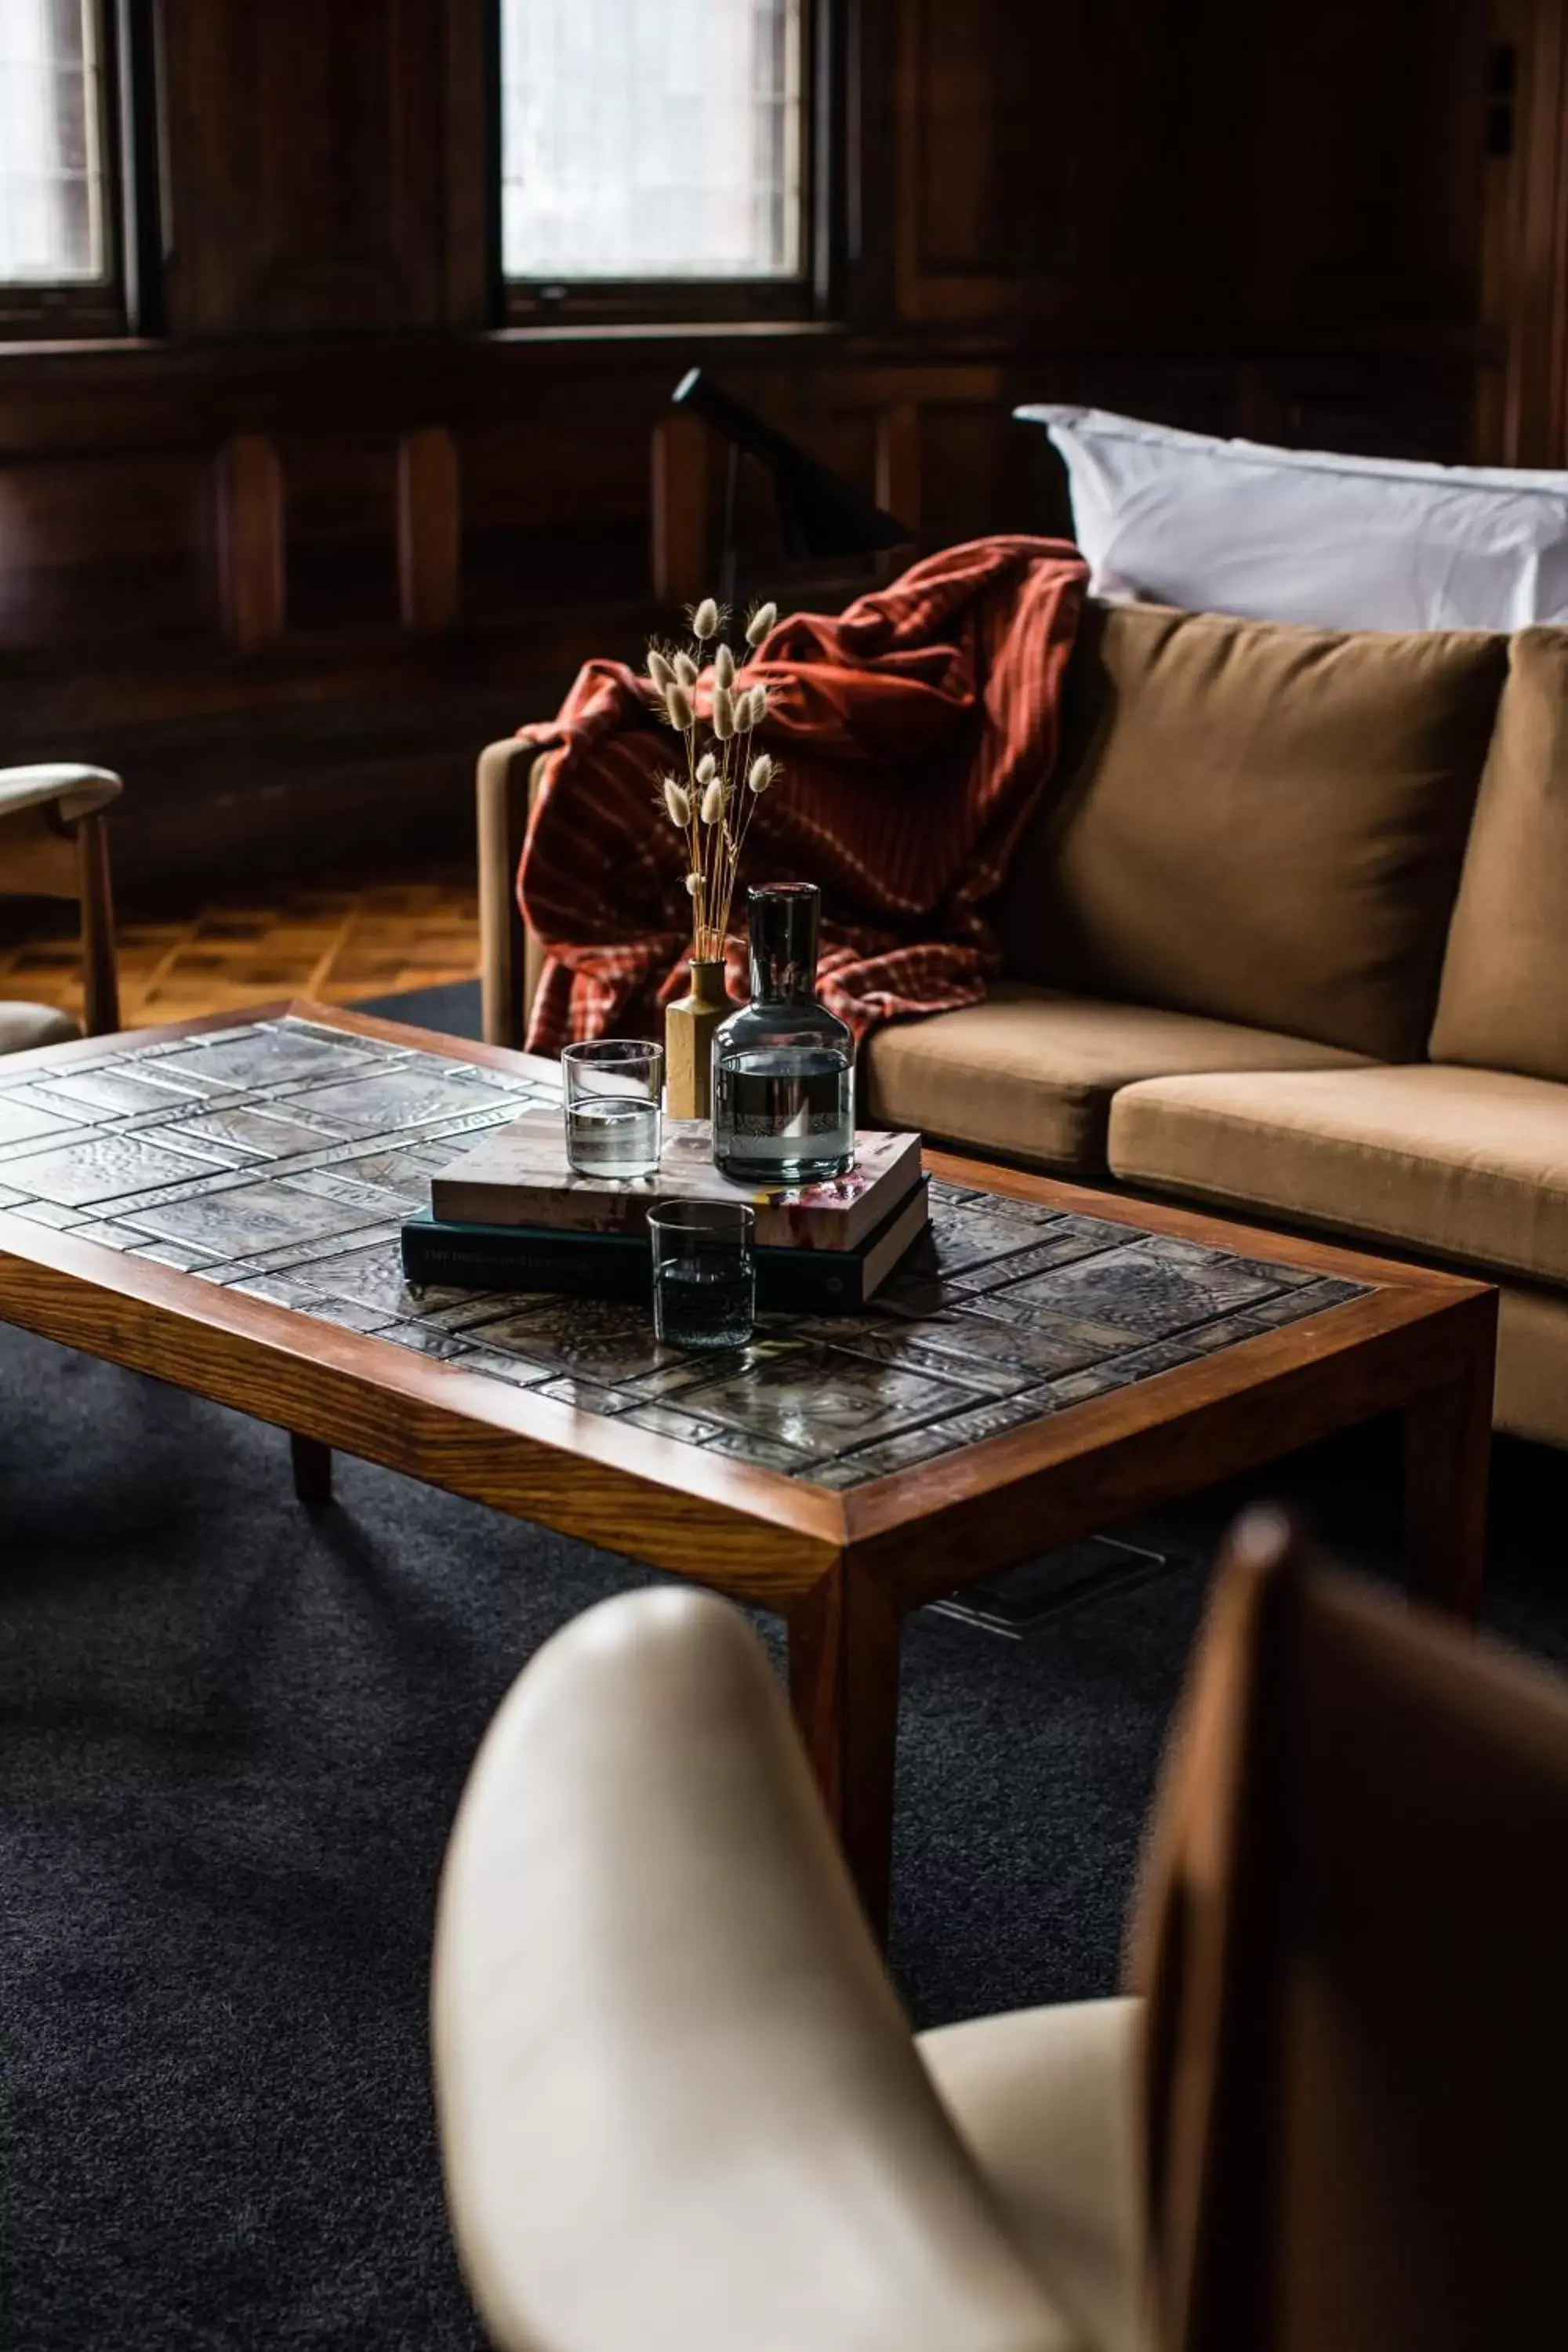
{"x": 1328, "y": 1373}
{"x": 451, "y": 1428}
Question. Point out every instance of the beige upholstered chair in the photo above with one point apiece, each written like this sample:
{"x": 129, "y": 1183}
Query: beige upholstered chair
{"x": 680, "y": 2106}
{"x": 54, "y": 844}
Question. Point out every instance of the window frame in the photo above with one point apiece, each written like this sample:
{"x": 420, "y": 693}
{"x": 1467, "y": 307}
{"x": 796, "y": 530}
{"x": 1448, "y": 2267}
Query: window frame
{"x": 807, "y": 293}
{"x": 77, "y": 309}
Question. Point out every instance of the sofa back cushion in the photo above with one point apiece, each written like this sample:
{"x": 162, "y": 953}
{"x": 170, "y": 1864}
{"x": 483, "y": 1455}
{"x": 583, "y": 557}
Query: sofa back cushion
{"x": 1257, "y": 822}
{"x": 1503, "y": 1004}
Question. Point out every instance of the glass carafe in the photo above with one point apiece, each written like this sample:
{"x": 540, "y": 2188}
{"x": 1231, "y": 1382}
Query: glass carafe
{"x": 783, "y": 1066}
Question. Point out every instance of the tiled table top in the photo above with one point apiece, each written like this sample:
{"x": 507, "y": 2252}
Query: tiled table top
{"x": 278, "y": 1157}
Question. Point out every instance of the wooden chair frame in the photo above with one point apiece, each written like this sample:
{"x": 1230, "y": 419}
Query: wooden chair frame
{"x": 54, "y": 844}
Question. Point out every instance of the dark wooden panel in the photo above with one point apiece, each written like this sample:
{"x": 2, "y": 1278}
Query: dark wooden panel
{"x": 995, "y": 90}
{"x": 1236, "y": 219}
{"x": 341, "y": 501}
{"x": 1118, "y": 161}
{"x": 429, "y": 529}
{"x": 1370, "y": 192}
{"x": 1169, "y": 142}
{"x": 972, "y": 477}
{"x": 306, "y": 181}
{"x": 1526, "y": 418}
{"x": 98, "y": 552}
{"x": 556, "y": 500}
{"x": 252, "y": 567}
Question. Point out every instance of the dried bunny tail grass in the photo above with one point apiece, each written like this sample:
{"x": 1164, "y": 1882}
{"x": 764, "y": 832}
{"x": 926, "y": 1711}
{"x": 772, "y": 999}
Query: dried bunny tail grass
{"x": 685, "y": 670}
{"x": 712, "y": 807}
{"x": 761, "y": 622}
{"x": 756, "y": 701}
{"x": 723, "y": 666}
{"x": 678, "y": 801}
{"x": 678, "y": 705}
{"x": 704, "y": 619}
{"x": 706, "y": 768}
{"x": 763, "y": 771}
{"x": 693, "y": 884}
{"x": 659, "y": 669}
{"x": 723, "y": 713}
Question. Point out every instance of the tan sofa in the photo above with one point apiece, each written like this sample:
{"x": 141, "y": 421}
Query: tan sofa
{"x": 1288, "y": 935}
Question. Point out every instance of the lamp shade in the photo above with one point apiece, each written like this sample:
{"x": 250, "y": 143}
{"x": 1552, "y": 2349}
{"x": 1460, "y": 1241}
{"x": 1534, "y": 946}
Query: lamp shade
{"x": 819, "y": 513}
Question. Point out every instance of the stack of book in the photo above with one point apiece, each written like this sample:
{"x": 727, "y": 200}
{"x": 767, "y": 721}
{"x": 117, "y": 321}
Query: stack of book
{"x": 512, "y": 1215}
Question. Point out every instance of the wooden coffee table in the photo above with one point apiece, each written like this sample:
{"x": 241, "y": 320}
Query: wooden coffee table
{"x": 218, "y": 1204}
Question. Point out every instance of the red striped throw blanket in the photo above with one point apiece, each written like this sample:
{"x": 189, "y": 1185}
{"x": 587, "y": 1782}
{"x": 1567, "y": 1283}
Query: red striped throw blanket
{"x": 917, "y": 732}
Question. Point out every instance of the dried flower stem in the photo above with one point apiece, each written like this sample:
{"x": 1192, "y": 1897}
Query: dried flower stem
{"x": 713, "y": 808}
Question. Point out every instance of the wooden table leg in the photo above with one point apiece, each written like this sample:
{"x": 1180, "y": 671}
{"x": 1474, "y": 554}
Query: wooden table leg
{"x": 844, "y": 1685}
{"x": 312, "y": 1464}
{"x": 1447, "y": 1456}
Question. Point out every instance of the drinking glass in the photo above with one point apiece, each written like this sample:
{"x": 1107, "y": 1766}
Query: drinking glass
{"x": 613, "y": 1087}
{"x": 704, "y": 1276}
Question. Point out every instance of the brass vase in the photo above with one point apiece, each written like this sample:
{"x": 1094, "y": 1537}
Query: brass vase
{"x": 688, "y": 1025}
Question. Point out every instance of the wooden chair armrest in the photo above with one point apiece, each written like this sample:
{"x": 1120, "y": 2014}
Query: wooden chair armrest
{"x": 54, "y": 844}
{"x": 511, "y": 956}
{"x": 76, "y": 792}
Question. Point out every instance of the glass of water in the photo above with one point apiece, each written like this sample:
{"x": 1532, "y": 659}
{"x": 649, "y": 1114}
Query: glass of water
{"x": 704, "y": 1276}
{"x": 613, "y": 1087}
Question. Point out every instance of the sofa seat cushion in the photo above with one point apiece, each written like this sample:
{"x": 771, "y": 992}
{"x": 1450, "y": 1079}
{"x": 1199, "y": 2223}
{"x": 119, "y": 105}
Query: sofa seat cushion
{"x": 22, "y": 1027}
{"x": 1465, "y": 1164}
{"x": 1030, "y": 1072}
{"x": 1257, "y": 823}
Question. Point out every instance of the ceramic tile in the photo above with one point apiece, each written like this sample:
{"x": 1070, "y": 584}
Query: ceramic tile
{"x": 586, "y": 1396}
{"x": 100, "y": 1167}
{"x": 31, "y": 1122}
{"x": 821, "y": 1399}
{"x": 238, "y": 1222}
{"x": 1149, "y": 1287}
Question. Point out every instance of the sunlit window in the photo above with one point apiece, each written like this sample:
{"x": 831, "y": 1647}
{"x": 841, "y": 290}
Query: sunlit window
{"x": 651, "y": 139}
{"x": 51, "y": 166}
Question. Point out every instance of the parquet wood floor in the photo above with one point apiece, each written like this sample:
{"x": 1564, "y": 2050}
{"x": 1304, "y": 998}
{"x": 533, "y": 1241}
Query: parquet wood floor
{"x": 338, "y": 943}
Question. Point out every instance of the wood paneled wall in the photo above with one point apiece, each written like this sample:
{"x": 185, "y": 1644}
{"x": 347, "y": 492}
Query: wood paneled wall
{"x": 289, "y": 567}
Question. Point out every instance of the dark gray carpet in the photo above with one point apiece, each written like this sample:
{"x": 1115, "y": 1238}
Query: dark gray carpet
{"x": 231, "y": 1739}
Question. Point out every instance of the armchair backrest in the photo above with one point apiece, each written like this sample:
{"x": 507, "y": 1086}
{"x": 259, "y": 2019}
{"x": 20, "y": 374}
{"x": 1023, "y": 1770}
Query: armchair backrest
{"x": 1353, "y": 1939}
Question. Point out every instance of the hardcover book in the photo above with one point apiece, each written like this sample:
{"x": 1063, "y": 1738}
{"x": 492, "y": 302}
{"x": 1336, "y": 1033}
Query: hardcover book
{"x": 518, "y": 1175}
{"x": 439, "y": 1255}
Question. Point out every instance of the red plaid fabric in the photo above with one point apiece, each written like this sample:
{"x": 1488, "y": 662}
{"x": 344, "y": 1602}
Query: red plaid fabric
{"x": 917, "y": 732}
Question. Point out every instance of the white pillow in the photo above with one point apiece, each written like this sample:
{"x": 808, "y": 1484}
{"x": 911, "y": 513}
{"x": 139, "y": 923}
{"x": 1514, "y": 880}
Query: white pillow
{"x": 1173, "y": 518}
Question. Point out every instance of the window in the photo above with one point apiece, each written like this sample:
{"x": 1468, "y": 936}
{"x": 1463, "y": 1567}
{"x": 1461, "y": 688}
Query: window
{"x": 53, "y": 230}
{"x": 652, "y": 141}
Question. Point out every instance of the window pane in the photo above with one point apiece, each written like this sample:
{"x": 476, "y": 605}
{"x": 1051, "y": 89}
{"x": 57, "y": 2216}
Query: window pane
{"x": 651, "y": 137}
{"x": 51, "y": 169}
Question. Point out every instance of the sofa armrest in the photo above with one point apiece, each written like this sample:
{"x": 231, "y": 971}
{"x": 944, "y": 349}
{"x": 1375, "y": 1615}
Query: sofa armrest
{"x": 511, "y": 956}
{"x": 679, "y": 2102}
{"x": 54, "y": 844}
